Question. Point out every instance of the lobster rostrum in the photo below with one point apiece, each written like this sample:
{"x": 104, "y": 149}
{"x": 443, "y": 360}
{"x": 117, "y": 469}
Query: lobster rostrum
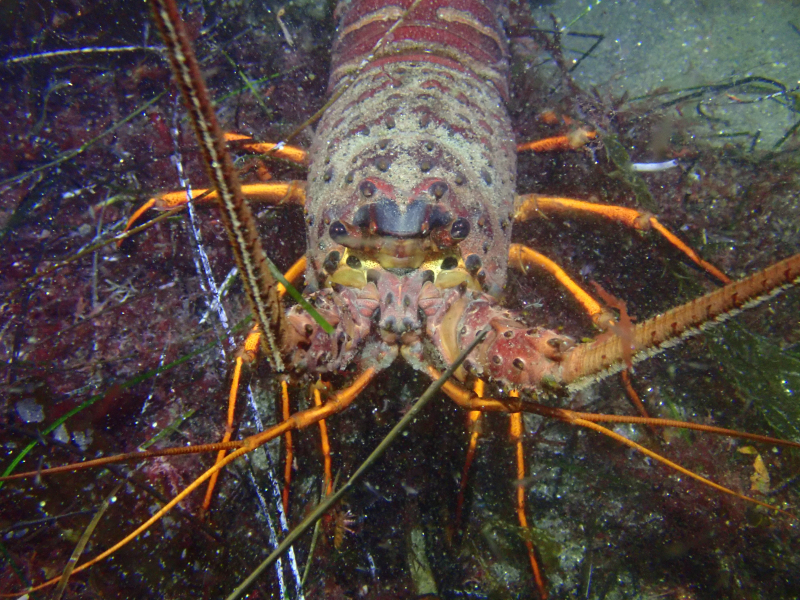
{"x": 409, "y": 207}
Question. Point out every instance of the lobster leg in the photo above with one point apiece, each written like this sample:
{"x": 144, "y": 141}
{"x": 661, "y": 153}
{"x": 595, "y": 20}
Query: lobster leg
{"x": 515, "y": 436}
{"x": 474, "y": 419}
{"x": 300, "y": 420}
{"x": 466, "y": 399}
{"x": 273, "y": 193}
{"x": 572, "y": 141}
{"x": 248, "y": 355}
{"x": 521, "y": 257}
{"x": 528, "y": 205}
{"x": 280, "y": 150}
{"x": 249, "y": 350}
{"x": 326, "y": 446}
{"x": 633, "y": 395}
{"x": 292, "y": 192}
{"x": 289, "y": 457}
{"x": 325, "y": 442}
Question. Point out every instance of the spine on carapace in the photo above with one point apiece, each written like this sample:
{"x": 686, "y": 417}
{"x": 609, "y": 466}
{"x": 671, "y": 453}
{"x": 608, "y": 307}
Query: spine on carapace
{"x": 467, "y": 32}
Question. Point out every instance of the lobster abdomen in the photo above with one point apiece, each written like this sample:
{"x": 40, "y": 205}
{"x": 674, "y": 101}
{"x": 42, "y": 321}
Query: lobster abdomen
{"x": 467, "y": 31}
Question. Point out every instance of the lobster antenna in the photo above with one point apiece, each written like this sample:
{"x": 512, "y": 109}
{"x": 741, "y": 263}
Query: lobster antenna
{"x": 260, "y": 285}
{"x": 592, "y": 362}
{"x": 298, "y": 420}
{"x": 471, "y": 401}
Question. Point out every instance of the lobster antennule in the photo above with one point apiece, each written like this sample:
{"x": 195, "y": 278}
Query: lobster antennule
{"x": 591, "y": 362}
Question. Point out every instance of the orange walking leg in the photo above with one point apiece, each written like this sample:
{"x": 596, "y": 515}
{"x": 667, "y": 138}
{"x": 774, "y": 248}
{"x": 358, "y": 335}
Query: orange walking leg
{"x": 292, "y": 275}
{"x": 521, "y": 257}
{"x": 247, "y": 355}
{"x": 474, "y": 418}
{"x": 529, "y": 205}
{"x": 273, "y": 193}
{"x": 515, "y": 436}
{"x": 337, "y": 403}
{"x": 289, "y": 192}
{"x": 287, "y": 471}
{"x": 634, "y": 397}
{"x": 326, "y": 446}
{"x": 572, "y": 141}
{"x": 248, "y": 144}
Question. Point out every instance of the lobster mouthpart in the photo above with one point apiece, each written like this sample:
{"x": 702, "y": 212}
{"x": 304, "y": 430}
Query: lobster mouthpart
{"x": 512, "y": 353}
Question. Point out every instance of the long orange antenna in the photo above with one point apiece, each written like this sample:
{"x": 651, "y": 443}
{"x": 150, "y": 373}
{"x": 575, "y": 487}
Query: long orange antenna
{"x": 590, "y": 362}
{"x": 127, "y": 457}
{"x": 467, "y": 399}
{"x": 674, "y": 466}
{"x": 470, "y": 401}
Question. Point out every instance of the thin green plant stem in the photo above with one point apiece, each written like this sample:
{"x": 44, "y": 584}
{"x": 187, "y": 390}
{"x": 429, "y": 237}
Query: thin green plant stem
{"x": 92, "y": 400}
{"x": 249, "y": 85}
{"x": 81, "y": 545}
{"x": 310, "y": 557}
{"x": 14, "y": 566}
{"x": 70, "y": 154}
{"x": 298, "y": 297}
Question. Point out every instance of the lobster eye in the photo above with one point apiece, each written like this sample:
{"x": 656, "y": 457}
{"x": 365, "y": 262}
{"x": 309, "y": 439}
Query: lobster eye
{"x": 337, "y": 231}
{"x": 459, "y": 230}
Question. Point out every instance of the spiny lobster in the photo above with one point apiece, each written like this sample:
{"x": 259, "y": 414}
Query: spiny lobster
{"x": 409, "y": 209}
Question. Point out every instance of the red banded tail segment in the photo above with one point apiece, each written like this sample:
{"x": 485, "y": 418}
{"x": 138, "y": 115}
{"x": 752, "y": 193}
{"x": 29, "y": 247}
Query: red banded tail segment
{"x": 468, "y": 32}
